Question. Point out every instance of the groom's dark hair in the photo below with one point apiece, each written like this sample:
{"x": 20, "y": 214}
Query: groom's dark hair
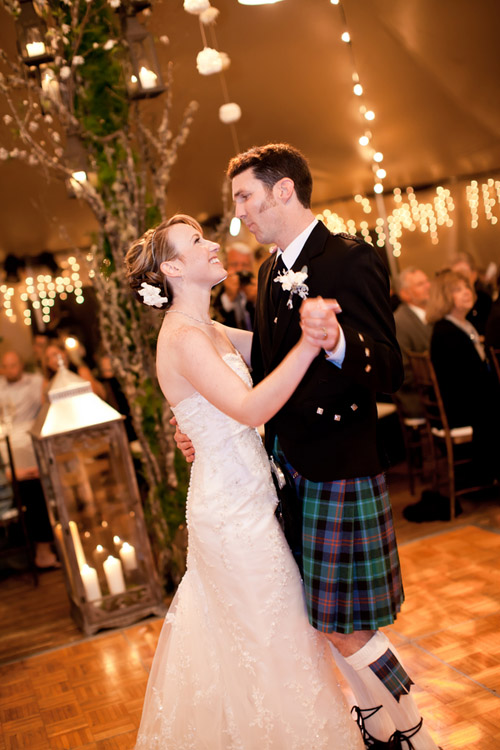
{"x": 273, "y": 162}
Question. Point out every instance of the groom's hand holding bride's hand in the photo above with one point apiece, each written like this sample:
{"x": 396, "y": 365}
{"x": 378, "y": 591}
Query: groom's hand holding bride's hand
{"x": 318, "y": 320}
{"x": 184, "y": 444}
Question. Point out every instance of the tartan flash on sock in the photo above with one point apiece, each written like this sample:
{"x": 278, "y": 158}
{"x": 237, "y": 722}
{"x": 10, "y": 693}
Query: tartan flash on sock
{"x": 391, "y": 672}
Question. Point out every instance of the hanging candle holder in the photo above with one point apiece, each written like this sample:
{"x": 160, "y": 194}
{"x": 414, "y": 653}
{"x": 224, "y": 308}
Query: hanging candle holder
{"x": 142, "y": 69}
{"x": 31, "y": 35}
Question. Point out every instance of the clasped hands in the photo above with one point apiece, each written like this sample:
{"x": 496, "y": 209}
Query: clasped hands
{"x": 318, "y": 320}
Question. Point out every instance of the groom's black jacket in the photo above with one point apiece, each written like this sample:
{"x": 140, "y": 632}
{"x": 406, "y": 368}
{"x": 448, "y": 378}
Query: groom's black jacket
{"x": 328, "y": 428}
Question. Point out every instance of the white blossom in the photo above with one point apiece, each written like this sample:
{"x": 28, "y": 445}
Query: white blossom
{"x": 208, "y": 61}
{"x": 230, "y": 112}
{"x": 209, "y": 15}
{"x": 110, "y": 44}
{"x": 65, "y": 28}
{"x": 114, "y": 3}
{"x": 33, "y": 159}
{"x": 196, "y": 6}
{"x": 65, "y": 72}
{"x": 7, "y": 119}
{"x": 78, "y": 60}
{"x": 15, "y": 153}
{"x": 48, "y": 119}
{"x": 33, "y": 126}
{"x": 56, "y": 137}
{"x": 4, "y": 154}
{"x": 164, "y": 39}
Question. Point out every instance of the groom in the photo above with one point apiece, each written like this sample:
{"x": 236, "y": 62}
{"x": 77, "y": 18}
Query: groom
{"x": 326, "y": 435}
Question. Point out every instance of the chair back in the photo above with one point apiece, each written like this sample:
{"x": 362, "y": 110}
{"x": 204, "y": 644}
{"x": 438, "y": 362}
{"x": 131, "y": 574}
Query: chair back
{"x": 428, "y": 389}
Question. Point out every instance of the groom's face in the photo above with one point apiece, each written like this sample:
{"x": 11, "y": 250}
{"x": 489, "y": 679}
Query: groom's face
{"x": 256, "y": 206}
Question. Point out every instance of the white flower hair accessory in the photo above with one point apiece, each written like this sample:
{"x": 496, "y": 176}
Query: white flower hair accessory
{"x": 293, "y": 282}
{"x": 151, "y": 295}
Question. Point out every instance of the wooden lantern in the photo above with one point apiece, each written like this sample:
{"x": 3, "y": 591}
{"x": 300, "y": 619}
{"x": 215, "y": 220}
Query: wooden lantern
{"x": 94, "y": 506}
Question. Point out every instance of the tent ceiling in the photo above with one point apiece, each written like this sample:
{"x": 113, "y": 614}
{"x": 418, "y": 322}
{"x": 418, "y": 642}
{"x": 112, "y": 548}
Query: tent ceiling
{"x": 429, "y": 70}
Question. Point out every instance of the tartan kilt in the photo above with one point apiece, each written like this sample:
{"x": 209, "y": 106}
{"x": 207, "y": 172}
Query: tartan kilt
{"x": 352, "y": 574}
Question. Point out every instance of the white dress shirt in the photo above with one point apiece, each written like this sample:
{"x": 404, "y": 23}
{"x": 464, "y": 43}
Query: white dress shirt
{"x": 289, "y": 256}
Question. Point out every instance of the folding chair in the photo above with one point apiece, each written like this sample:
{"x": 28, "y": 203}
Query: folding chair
{"x": 443, "y": 440}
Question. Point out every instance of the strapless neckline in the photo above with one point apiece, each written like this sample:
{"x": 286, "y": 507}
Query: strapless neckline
{"x": 196, "y": 393}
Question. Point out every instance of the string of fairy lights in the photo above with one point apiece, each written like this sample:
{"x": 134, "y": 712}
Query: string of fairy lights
{"x": 409, "y": 214}
{"x": 37, "y": 295}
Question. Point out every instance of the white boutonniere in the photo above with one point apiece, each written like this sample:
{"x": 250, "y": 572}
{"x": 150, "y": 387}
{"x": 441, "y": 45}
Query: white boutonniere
{"x": 151, "y": 295}
{"x": 293, "y": 282}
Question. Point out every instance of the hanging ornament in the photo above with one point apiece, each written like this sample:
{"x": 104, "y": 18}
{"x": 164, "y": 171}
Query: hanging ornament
{"x": 230, "y": 112}
{"x": 196, "y": 6}
{"x": 209, "y": 15}
{"x": 209, "y": 61}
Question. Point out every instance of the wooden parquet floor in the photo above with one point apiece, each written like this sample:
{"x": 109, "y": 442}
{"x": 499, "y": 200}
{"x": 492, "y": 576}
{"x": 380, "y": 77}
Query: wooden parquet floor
{"x": 88, "y": 695}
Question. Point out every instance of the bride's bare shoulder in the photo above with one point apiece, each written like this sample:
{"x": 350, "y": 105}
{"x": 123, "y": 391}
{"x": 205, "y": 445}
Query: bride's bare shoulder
{"x": 179, "y": 338}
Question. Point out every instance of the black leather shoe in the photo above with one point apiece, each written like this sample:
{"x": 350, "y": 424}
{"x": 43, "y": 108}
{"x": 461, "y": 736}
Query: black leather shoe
{"x": 371, "y": 742}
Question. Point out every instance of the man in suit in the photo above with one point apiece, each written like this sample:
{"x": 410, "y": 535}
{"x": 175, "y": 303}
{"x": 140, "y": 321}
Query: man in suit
{"x": 412, "y": 331}
{"x": 326, "y": 435}
{"x": 230, "y": 303}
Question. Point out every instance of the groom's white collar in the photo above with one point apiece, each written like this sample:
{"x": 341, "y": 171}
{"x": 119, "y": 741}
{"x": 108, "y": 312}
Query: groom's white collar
{"x": 292, "y": 252}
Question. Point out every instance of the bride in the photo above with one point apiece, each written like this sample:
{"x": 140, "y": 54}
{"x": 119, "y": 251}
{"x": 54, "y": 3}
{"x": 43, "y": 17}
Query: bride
{"x": 237, "y": 667}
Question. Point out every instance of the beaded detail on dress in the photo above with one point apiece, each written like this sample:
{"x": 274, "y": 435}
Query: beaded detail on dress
{"x": 238, "y": 667}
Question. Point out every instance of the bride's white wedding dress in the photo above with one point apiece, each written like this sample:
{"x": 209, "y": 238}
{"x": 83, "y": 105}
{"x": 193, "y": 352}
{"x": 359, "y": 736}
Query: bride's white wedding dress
{"x": 238, "y": 667}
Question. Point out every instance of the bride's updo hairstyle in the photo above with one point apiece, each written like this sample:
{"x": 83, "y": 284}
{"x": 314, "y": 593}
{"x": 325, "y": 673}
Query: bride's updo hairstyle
{"x": 145, "y": 256}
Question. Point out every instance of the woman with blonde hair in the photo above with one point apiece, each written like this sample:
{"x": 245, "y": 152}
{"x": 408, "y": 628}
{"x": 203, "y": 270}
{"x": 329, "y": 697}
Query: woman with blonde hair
{"x": 467, "y": 385}
{"x": 237, "y": 664}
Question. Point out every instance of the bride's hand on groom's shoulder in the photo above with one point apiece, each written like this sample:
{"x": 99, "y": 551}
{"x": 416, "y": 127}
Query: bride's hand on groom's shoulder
{"x": 184, "y": 444}
{"x": 318, "y": 320}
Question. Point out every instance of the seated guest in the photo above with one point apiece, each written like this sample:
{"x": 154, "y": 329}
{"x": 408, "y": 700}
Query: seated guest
{"x": 23, "y": 392}
{"x": 40, "y": 342}
{"x": 114, "y": 394}
{"x": 492, "y": 334}
{"x": 412, "y": 331}
{"x": 52, "y": 355}
{"x": 478, "y": 315}
{"x": 468, "y": 388}
{"x": 230, "y": 303}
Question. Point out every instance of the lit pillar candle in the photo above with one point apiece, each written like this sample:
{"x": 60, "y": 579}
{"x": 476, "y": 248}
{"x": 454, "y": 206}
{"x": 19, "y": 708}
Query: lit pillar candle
{"x": 147, "y": 78}
{"x": 35, "y": 49}
{"x": 114, "y": 575}
{"x": 90, "y": 583}
{"x": 99, "y": 555}
{"x": 77, "y": 544}
{"x": 127, "y": 554}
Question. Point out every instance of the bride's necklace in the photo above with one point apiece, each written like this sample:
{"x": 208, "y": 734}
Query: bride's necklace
{"x": 198, "y": 320}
